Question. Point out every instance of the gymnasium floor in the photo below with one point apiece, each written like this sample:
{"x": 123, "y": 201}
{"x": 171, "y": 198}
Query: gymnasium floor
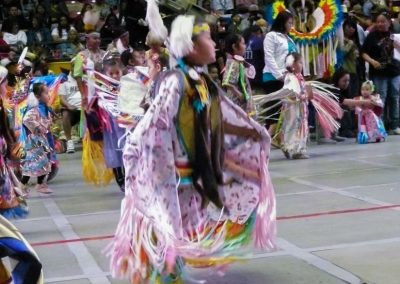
{"x": 339, "y": 221}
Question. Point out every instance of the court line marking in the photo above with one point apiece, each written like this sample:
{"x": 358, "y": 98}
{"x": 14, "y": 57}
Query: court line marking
{"x": 279, "y": 218}
{"x": 259, "y": 255}
{"x": 318, "y": 262}
{"x": 84, "y": 258}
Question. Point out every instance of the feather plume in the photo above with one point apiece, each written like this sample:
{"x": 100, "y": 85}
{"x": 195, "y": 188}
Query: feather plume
{"x": 181, "y": 43}
{"x": 153, "y": 17}
{"x": 91, "y": 17}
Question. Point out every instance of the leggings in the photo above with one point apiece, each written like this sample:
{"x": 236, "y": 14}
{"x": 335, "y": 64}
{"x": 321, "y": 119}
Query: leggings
{"x": 119, "y": 174}
{"x": 40, "y": 179}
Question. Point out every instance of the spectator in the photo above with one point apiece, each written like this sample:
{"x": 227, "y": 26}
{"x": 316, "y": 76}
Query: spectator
{"x": 120, "y": 42}
{"x": 255, "y": 53}
{"x": 38, "y": 34}
{"x": 245, "y": 3}
{"x": 351, "y": 53}
{"x": 102, "y": 8}
{"x": 362, "y": 19}
{"x": 254, "y": 14}
{"x": 79, "y": 25}
{"x": 367, "y": 7}
{"x": 135, "y": 14}
{"x": 263, "y": 24}
{"x": 236, "y": 19}
{"x": 222, "y": 6}
{"x": 341, "y": 80}
{"x": 14, "y": 16}
{"x": 71, "y": 103}
{"x": 43, "y": 15}
{"x": 384, "y": 68}
{"x": 56, "y": 10}
{"x": 109, "y": 29}
{"x": 60, "y": 33}
{"x": 4, "y": 47}
{"x": 12, "y": 3}
{"x": 72, "y": 46}
{"x": 16, "y": 36}
{"x": 28, "y": 7}
{"x": 277, "y": 45}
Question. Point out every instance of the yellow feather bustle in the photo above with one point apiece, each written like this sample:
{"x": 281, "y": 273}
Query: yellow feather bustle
{"x": 93, "y": 163}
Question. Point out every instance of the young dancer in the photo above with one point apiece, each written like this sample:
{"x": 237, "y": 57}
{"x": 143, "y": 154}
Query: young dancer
{"x": 369, "y": 108}
{"x": 36, "y": 122}
{"x": 235, "y": 78}
{"x": 294, "y": 115}
{"x": 197, "y": 181}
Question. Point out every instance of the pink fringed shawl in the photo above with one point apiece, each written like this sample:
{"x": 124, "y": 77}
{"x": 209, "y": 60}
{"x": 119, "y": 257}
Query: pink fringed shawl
{"x": 161, "y": 218}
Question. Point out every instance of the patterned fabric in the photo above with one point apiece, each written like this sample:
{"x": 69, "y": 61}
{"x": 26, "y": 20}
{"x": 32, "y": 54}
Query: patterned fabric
{"x": 370, "y": 125}
{"x": 37, "y": 161}
{"x": 164, "y": 221}
{"x": 26, "y": 266}
{"x": 237, "y": 78}
{"x": 112, "y": 151}
{"x": 294, "y": 117}
{"x": 12, "y": 204}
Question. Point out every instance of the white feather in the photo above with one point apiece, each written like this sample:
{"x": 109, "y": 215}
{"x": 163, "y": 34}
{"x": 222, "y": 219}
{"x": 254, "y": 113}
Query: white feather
{"x": 153, "y": 18}
{"x": 181, "y": 43}
{"x": 91, "y": 17}
{"x": 289, "y": 61}
{"x": 3, "y": 73}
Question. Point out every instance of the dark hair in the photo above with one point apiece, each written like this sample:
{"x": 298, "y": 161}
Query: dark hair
{"x": 37, "y": 89}
{"x": 125, "y": 57}
{"x": 5, "y": 129}
{"x": 251, "y": 30}
{"x": 340, "y": 73}
{"x": 279, "y": 24}
{"x": 383, "y": 12}
{"x": 351, "y": 22}
{"x": 232, "y": 39}
{"x": 83, "y": 10}
{"x": 68, "y": 27}
{"x": 297, "y": 56}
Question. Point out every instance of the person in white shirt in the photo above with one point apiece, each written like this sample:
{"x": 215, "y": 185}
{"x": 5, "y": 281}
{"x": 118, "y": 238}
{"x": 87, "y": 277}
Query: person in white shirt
{"x": 16, "y": 36}
{"x": 60, "y": 33}
{"x": 71, "y": 103}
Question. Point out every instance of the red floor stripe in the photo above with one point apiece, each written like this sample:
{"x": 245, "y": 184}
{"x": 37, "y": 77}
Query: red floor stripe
{"x": 281, "y": 218}
{"x": 72, "y": 241}
{"x": 313, "y": 215}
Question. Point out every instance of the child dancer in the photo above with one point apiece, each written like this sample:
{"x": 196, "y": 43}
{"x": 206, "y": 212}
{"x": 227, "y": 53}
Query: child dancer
{"x": 36, "y": 122}
{"x": 112, "y": 132}
{"x": 294, "y": 115}
{"x": 236, "y": 77}
{"x": 369, "y": 108}
{"x": 197, "y": 184}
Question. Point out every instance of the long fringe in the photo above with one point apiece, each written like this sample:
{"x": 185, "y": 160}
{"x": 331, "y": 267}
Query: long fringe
{"x": 93, "y": 163}
{"x": 328, "y": 110}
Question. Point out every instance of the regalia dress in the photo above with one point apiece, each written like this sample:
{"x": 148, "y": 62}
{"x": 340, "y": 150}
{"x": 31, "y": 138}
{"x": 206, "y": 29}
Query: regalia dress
{"x": 169, "y": 217}
{"x": 12, "y": 203}
{"x": 370, "y": 125}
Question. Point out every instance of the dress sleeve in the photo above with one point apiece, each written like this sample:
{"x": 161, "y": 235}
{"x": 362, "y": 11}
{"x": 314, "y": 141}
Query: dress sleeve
{"x": 31, "y": 121}
{"x": 231, "y": 74}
